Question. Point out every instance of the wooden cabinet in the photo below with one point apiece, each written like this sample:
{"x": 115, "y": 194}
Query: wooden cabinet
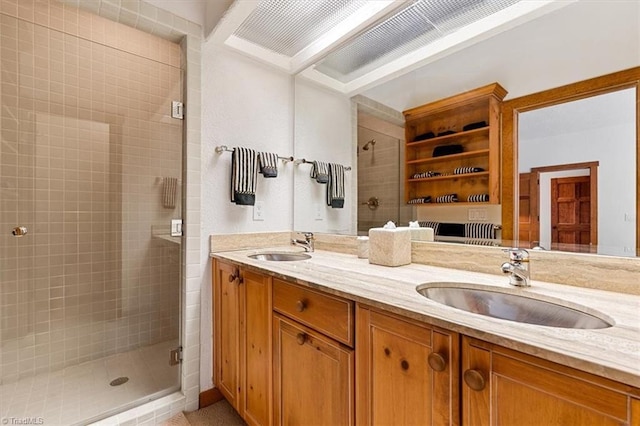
{"x": 407, "y": 371}
{"x": 313, "y": 372}
{"x": 505, "y": 387}
{"x": 242, "y": 341}
{"x": 466, "y": 128}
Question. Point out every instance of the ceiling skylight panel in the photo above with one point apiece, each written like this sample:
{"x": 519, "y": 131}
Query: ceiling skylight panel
{"x": 416, "y": 26}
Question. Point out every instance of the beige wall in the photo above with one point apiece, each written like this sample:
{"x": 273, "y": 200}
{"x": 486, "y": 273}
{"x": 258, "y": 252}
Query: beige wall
{"x": 86, "y": 139}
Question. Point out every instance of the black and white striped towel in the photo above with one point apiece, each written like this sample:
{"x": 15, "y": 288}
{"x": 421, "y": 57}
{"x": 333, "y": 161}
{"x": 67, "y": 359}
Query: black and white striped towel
{"x": 423, "y": 175}
{"x": 479, "y": 230}
{"x": 335, "y": 186}
{"x": 478, "y": 198}
{"x": 420, "y": 200}
{"x": 268, "y": 164}
{"x": 431, "y": 224}
{"x": 465, "y": 170}
{"x": 244, "y": 174}
{"x": 320, "y": 171}
{"x": 449, "y": 198}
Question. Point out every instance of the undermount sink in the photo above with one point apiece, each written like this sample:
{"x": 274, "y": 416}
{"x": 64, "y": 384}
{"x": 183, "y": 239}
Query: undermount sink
{"x": 512, "y": 307}
{"x": 280, "y": 257}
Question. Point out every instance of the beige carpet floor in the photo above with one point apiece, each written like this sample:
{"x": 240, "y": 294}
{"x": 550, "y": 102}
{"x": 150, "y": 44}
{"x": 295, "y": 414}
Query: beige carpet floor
{"x": 218, "y": 414}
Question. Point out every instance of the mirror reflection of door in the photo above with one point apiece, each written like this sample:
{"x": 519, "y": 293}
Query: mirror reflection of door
{"x": 571, "y": 214}
{"x": 597, "y": 135}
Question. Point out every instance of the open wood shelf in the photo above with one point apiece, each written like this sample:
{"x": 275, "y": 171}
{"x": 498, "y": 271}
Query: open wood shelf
{"x": 451, "y": 176}
{"x": 448, "y": 138}
{"x": 462, "y": 155}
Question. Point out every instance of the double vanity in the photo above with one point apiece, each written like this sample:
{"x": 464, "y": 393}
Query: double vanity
{"x": 327, "y": 338}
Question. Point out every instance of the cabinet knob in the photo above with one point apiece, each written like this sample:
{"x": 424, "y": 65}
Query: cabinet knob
{"x": 236, "y": 276}
{"x": 474, "y": 379}
{"x": 301, "y": 338}
{"x": 437, "y": 362}
{"x": 301, "y": 305}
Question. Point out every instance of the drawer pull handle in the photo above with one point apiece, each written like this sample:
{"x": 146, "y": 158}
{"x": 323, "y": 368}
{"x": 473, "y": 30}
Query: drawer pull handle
{"x": 301, "y": 305}
{"x": 474, "y": 379}
{"x": 301, "y": 338}
{"x": 437, "y": 362}
{"x": 233, "y": 276}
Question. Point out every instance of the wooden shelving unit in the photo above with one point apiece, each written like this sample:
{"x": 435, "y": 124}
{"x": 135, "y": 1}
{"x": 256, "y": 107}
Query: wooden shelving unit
{"x": 480, "y": 146}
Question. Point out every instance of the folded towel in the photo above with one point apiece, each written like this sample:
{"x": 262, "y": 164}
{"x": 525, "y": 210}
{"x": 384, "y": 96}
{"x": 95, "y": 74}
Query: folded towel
{"x": 441, "y": 150}
{"x": 169, "y": 188}
{"x": 449, "y": 198}
{"x": 479, "y": 230}
{"x": 424, "y": 136}
{"x": 335, "y": 186}
{"x": 478, "y": 198}
{"x": 268, "y": 164}
{"x": 244, "y": 173}
{"x": 320, "y": 171}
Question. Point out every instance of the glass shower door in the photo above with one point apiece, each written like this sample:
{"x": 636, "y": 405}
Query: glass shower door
{"x": 90, "y": 179}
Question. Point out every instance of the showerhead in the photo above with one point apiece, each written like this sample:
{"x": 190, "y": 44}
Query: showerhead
{"x": 372, "y": 142}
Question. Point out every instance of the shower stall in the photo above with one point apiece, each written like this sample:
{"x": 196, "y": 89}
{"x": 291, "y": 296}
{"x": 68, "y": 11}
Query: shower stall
{"x": 90, "y": 180}
{"x": 380, "y": 174}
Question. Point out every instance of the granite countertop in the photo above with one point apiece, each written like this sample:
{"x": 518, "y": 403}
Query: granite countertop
{"x": 612, "y": 352}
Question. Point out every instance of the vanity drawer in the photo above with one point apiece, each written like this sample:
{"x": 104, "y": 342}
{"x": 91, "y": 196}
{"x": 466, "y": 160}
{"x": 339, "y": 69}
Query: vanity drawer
{"x": 328, "y": 314}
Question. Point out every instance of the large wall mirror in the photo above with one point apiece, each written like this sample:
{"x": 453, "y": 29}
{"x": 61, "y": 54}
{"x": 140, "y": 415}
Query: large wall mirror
{"x": 553, "y": 51}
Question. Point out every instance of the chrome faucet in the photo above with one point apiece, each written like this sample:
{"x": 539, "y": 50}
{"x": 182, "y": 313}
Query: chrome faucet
{"x": 518, "y": 267}
{"x": 307, "y": 243}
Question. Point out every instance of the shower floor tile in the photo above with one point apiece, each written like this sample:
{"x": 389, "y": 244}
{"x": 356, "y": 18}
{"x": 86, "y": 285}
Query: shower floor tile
{"x": 81, "y": 393}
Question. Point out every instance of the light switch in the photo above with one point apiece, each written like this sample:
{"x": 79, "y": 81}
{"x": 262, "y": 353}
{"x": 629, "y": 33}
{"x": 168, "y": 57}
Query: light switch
{"x": 477, "y": 214}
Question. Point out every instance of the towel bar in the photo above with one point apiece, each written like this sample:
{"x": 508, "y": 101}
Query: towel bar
{"x": 305, "y": 161}
{"x": 223, "y": 148}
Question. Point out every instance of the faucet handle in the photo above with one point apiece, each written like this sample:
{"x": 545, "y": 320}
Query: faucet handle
{"x": 517, "y": 254}
{"x": 308, "y": 235}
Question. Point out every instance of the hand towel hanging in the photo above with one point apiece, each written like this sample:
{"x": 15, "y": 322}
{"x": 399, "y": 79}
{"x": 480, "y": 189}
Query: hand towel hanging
{"x": 268, "y": 164}
{"x": 335, "y": 186}
{"x": 320, "y": 171}
{"x": 169, "y": 188}
{"x": 244, "y": 173}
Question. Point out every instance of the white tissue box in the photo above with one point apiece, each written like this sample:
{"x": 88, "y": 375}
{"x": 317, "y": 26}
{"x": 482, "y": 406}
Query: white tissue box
{"x": 389, "y": 247}
{"x": 420, "y": 234}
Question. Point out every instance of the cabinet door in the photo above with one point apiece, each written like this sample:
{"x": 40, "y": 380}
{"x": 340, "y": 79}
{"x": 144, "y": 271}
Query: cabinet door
{"x": 406, "y": 371}
{"x": 504, "y": 387}
{"x": 313, "y": 377}
{"x": 226, "y": 320}
{"x": 256, "y": 371}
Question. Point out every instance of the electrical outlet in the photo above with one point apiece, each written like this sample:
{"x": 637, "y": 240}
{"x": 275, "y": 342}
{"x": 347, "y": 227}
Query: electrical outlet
{"x": 258, "y": 210}
{"x": 318, "y": 212}
{"x": 477, "y": 214}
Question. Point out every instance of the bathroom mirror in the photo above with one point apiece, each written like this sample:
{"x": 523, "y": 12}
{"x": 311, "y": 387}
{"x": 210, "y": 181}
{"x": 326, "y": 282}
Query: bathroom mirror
{"x": 556, "y": 54}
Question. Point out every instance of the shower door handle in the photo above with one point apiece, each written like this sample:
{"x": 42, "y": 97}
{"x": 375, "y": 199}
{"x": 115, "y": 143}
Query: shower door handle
{"x": 19, "y": 231}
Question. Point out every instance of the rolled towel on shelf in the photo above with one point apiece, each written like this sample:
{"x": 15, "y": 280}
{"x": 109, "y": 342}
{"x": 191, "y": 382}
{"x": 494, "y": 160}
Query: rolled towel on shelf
{"x": 268, "y": 164}
{"x": 423, "y": 175}
{"x": 169, "y": 189}
{"x": 431, "y": 224}
{"x": 442, "y": 150}
{"x": 476, "y": 125}
{"x": 320, "y": 171}
{"x": 420, "y": 200}
{"x": 465, "y": 170}
{"x": 424, "y": 136}
{"x": 448, "y": 198}
{"x": 480, "y": 230}
{"x": 335, "y": 186}
{"x": 478, "y": 198}
{"x": 244, "y": 174}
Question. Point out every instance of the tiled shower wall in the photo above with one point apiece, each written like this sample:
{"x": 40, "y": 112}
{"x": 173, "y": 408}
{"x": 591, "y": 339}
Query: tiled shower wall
{"x": 86, "y": 140}
{"x": 380, "y": 174}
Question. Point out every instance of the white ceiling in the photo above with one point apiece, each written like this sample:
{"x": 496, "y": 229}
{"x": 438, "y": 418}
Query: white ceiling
{"x": 583, "y": 40}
